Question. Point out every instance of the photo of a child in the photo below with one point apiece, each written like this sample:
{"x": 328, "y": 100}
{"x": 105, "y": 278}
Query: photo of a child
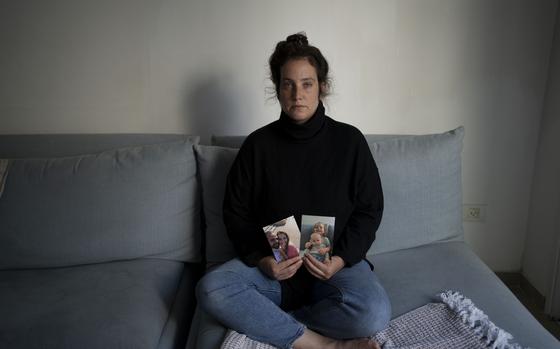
{"x": 316, "y": 247}
{"x": 317, "y": 232}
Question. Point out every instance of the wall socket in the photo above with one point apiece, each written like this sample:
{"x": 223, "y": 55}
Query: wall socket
{"x": 474, "y": 212}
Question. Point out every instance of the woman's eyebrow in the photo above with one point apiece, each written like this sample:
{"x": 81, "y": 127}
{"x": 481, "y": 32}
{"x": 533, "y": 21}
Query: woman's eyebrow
{"x": 304, "y": 79}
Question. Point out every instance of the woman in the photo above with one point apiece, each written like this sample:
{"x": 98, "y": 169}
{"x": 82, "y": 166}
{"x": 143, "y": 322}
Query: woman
{"x": 288, "y": 251}
{"x": 326, "y": 170}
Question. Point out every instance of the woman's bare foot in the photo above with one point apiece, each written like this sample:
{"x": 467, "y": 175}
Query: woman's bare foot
{"x": 313, "y": 340}
{"x": 362, "y": 343}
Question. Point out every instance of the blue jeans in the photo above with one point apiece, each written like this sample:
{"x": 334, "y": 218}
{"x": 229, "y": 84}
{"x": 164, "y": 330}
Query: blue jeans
{"x": 351, "y": 304}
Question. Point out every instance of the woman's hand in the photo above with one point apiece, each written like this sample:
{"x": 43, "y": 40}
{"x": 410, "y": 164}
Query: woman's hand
{"x": 320, "y": 270}
{"x": 280, "y": 271}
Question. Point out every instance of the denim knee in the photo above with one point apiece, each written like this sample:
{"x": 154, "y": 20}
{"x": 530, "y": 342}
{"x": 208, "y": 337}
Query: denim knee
{"x": 208, "y": 289}
{"x": 379, "y": 315}
{"x": 202, "y": 292}
{"x": 247, "y": 301}
{"x": 372, "y": 314}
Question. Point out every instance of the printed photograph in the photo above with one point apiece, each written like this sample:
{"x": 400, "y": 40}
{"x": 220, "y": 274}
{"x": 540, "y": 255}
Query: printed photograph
{"x": 317, "y": 234}
{"x": 284, "y": 238}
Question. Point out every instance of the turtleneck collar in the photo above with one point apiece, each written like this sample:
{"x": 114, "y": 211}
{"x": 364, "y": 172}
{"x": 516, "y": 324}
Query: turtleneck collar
{"x": 306, "y": 130}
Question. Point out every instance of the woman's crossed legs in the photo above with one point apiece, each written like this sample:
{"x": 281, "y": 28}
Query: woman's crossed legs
{"x": 351, "y": 304}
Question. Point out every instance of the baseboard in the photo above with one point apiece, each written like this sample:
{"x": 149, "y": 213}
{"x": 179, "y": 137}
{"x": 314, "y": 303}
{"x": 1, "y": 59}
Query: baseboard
{"x": 510, "y": 279}
{"x": 516, "y": 281}
{"x": 538, "y": 298}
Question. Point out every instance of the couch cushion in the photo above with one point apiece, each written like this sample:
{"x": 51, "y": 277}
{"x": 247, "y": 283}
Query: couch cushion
{"x": 118, "y": 204}
{"x": 3, "y": 174}
{"x": 59, "y": 145}
{"x": 206, "y": 332}
{"x": 180, "y": 316}
{"x": 214, "y": 164}
{"x": 228, "y": 141}
{"x": 421, "y": 179}
{"x": 413, "y": 277}
{"x": 109, "y": 305}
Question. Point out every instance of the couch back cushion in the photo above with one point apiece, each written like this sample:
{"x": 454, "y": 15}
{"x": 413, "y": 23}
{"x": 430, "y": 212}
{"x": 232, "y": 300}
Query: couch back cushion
{"x": 131, "y": 202}
{"x": 421, "y": 179}
{"x": 214, "y": 164}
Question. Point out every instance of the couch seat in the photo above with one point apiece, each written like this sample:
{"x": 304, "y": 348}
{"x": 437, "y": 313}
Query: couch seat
{"x": 413, "y": 277}
{"x": 124, "y": 304}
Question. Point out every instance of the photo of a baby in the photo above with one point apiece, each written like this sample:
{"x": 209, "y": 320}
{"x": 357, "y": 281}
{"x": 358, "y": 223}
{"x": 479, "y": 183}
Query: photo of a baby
{"x": 317, "y": 247}
{"x": 317, "y": 234}
{"x": 284, "y": 238}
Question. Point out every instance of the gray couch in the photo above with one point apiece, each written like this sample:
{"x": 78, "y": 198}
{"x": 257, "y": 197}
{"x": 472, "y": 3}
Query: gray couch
{"x": 102, "y": 238}
{"x": 100, "y": 243}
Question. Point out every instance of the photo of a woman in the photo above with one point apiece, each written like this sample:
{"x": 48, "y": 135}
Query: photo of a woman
{"x": 286, "y": 249}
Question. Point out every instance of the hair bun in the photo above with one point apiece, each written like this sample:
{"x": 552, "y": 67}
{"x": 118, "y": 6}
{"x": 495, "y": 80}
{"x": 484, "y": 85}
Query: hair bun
{"x": 300, "y": 39}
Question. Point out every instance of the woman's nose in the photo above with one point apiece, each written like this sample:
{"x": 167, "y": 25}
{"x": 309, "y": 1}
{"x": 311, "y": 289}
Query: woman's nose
{"x": 296, "y": 93}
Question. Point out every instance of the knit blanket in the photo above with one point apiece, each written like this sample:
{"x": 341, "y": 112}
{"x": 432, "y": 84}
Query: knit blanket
{"x": 454, "y": 323}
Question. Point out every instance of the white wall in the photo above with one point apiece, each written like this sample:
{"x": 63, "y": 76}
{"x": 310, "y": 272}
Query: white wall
{"x": 200, "y": 67}
{"x": 543, "y": 233}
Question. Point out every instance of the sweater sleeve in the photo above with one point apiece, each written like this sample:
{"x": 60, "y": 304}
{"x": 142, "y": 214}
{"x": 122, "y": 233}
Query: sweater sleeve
{"x": 242, "y": 227}
{"x": 359, "y": 233}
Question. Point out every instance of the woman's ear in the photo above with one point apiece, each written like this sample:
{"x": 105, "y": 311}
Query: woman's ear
{"x": 323, "y": 89}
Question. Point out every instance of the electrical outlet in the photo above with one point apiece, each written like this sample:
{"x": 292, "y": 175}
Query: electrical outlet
{"x": 474, "y": 212}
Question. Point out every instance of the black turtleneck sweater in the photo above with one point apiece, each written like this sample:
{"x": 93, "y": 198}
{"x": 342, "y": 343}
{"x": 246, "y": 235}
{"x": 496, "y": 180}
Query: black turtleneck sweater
{"x": 322, "y": 168}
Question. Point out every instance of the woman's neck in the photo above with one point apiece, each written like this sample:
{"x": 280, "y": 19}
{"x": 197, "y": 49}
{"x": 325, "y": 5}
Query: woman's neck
{"x": 305, "y": 130}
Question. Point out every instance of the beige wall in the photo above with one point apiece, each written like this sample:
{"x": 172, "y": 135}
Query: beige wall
{"x": 200, "y": 67}
{"x": 543, "y": 232}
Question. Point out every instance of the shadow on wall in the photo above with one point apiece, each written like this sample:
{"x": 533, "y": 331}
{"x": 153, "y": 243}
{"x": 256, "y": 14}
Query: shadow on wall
{"x": 213, "y": 105}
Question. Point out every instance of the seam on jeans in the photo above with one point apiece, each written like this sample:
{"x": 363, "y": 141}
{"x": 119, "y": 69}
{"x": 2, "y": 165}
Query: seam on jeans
{"x": 300, "y": 333}
{"x": 342, "y": 295}
{"x": 249, "y": 284}
{"x": 288, "y": 343}
{"x": 343, "y": 300}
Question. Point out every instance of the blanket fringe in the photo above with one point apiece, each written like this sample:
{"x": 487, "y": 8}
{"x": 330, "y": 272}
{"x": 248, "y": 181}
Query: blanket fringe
{"x": 486, "y": 330}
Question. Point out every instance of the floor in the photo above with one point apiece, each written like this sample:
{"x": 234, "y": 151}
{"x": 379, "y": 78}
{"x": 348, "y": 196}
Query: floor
{"x": 531, "y": 299}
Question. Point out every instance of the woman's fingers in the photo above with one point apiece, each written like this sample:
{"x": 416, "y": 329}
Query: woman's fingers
{"x": 315, "y": 267}
{"x": 280, "y": 271}
{"x": 320, "y": 270}
{"x": 286, "y": 269}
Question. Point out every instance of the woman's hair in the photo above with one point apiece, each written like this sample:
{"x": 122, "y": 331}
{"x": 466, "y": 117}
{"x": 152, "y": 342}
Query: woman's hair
{"x": 284, "y": 233}
{"x": 287, "y": 239}
{"x": 296, "y": 47}
{"x": 319, "y": 224}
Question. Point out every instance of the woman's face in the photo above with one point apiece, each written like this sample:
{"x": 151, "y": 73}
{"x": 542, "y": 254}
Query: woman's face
{"x": 283, "y": 240}
{"x": 299, "y": 90}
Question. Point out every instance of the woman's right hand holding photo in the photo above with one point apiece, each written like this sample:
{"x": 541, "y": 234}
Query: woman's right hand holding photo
{"x": 280, "y": 270}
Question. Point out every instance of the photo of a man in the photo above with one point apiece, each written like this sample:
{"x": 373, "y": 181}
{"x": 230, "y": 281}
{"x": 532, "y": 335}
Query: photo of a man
{"x": 284, "y": 238}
